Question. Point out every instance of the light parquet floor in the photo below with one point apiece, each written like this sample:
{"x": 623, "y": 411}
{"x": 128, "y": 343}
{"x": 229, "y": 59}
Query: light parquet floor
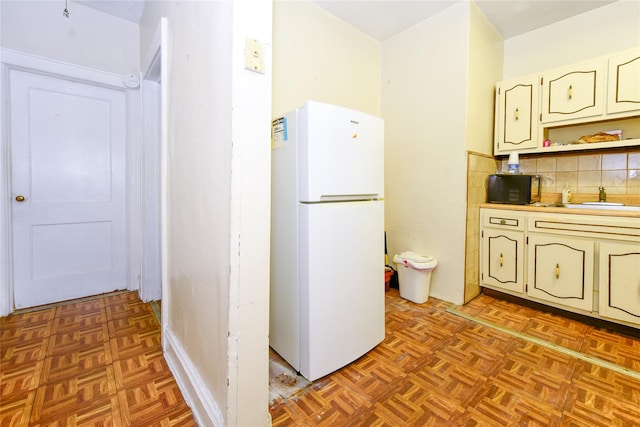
{"x": 95, "y": 362}
{"x": 437, "y": 369}
{"x": 99, "y": 362}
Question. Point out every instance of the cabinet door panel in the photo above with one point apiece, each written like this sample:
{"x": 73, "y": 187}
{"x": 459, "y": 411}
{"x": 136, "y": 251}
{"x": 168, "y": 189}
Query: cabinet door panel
{"x": 503, "y": 259}
{"x": 517, "y": 114}
{"x": 624, "y": 82}
{"x": 620, "y": 281}
{"x": 561, "y": 270}
{"x": 573, "y": 93}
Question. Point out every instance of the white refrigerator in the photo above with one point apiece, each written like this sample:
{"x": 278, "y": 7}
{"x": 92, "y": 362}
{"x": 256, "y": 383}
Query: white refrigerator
{"x": 327, "y": 237}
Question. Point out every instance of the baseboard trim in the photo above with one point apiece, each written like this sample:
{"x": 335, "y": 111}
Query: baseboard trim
{"x": 205, "y": 409}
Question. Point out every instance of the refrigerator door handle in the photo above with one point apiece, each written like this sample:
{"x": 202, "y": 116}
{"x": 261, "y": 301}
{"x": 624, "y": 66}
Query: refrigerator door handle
{"x": 347, "y": 197}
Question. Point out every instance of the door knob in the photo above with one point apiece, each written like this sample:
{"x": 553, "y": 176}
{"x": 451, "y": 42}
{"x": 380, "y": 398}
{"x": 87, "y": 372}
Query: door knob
{"x": 20, "y": 198}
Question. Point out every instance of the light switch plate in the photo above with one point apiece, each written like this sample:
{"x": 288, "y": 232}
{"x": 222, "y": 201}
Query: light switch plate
{"x": 254, "y": 56}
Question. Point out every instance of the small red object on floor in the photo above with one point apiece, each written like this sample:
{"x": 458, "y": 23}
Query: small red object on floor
{"x": 388, "y": 272}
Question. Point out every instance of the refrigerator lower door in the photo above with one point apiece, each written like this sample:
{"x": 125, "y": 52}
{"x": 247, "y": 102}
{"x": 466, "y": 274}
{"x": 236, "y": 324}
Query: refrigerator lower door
{"x": 341, "y": 284}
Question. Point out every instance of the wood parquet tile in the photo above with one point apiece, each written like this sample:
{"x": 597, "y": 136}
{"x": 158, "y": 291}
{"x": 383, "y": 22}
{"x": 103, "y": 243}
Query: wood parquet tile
{"x": 437, "y": 369}
{"x": 96, "y": 362}
{"x": 618, "y": 349}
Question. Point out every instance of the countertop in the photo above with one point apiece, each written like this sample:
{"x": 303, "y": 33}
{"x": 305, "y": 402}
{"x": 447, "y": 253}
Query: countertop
{"x": 562, "y": 210}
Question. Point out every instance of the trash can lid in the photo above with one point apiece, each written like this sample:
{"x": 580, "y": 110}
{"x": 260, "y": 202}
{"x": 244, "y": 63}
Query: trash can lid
{"x": 416, "y": 261}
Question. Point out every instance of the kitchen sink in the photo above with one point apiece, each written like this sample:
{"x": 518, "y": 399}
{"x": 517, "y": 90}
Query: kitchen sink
{"x": 601, "y": 206}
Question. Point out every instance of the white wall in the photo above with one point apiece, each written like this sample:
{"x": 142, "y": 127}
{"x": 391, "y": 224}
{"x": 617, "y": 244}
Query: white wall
{"x": 250, "y": 220}
{"x": 319, "y": 57}
{"x": 424, "y": 99}
{"x": 217, "y": 206}
{"x": 88, "y": 37}
{"x": 486, "y": 50}
{"x": 420, "y": 80}
{"x": 604, "y": 30}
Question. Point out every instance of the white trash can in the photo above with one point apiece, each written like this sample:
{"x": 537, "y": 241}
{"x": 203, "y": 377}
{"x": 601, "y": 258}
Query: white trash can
{"x": 414, "y": 275}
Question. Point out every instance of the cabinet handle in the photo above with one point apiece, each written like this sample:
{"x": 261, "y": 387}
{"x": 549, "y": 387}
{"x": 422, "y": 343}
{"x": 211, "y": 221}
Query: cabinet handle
{"x": 517, "y": 114}
{"x": 503, "y": 222}
{"x": 501, "y": 260}
{"x": 557, "y": 271}
{"x": 570, "y": 91}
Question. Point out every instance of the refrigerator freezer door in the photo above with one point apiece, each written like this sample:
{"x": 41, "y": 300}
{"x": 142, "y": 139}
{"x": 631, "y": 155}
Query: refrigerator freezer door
{"x": 341, "y": 284}
{"x": 341, "y": 153}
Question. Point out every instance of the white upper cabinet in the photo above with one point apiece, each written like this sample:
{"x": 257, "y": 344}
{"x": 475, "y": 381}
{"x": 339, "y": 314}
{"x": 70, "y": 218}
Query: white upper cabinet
{"x": 624, "y": 82}
{"x": 573, "y": 92}
{"x": 517, "y": 114}
{"x": 588, "y": 105}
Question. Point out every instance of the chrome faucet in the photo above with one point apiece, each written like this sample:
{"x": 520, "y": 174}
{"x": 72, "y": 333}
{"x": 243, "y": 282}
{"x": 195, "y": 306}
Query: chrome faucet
{"x": 602, "y": 196}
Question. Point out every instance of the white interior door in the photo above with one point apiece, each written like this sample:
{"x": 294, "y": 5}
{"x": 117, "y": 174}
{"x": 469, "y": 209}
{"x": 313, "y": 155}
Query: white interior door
{"x": 68, "y": 173}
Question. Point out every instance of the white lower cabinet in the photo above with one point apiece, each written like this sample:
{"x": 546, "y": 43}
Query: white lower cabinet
{"x": 588, "y": 264}
{"x": 619, "y": 281}
{"x": 504, "y": 259}
{"x": 561, "y": 270}
{"x": 503, "y": 251}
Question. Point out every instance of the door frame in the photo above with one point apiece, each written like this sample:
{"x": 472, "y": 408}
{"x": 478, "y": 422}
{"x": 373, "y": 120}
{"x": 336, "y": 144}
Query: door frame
{"x": 11, "y": 59}
{"x": 153, "y": 177}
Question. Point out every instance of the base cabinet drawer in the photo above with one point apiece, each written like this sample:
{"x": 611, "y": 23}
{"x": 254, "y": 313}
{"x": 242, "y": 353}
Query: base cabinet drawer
{"x": 620, "y": 281}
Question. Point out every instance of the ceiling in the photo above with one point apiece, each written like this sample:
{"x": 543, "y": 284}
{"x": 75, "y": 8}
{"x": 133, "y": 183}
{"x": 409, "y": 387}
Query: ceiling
{"x": 131, "y": 10}
{"x": 382, "y": 19}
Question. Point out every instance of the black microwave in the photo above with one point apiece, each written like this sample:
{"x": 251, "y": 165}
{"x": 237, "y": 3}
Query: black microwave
{"x": 513, "y": 189}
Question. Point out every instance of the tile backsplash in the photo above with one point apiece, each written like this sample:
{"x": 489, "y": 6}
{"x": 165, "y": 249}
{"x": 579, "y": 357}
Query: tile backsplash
{"x": 479, "y": 166}
{"x": 585, "y": 172}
